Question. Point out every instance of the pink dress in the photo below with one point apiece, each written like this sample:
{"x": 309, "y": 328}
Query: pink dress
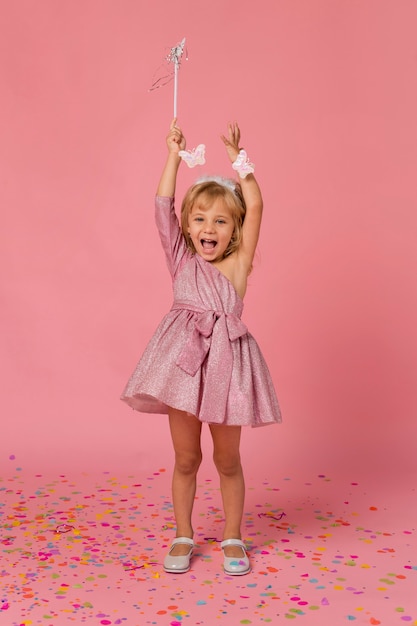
{"x": 201, "y": 358}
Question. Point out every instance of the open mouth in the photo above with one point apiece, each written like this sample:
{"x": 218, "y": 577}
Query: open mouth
{"x": 208, "y": 244}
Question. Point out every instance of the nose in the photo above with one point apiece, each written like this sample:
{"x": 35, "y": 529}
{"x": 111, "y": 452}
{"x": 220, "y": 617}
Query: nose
{"x": 209, "y": 227}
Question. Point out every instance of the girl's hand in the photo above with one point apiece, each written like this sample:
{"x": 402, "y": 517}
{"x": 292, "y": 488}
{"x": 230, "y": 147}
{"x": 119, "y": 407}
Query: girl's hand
{"x": 232, "y": 141}
{"x": 175, "y": 139}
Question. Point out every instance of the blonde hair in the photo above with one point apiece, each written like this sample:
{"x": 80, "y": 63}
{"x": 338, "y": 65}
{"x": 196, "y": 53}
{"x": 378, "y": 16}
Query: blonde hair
{"x": 206, "y": 192}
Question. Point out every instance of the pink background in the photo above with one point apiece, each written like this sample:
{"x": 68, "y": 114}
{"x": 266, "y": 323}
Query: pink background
{"x": 325, "y": 94}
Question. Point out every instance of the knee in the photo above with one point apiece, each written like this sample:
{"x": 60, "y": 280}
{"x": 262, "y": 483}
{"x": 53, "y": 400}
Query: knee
{"x": 188, "y": 463}
{"x": 227, "y": 465}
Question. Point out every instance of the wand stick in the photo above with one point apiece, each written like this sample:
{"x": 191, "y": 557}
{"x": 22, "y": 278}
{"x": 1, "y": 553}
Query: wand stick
{"x": 176, "y": 65}
{"x": 175, "y": 58}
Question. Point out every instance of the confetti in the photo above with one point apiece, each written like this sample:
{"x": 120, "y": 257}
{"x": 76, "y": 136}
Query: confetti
{"x": 90, "y": 550}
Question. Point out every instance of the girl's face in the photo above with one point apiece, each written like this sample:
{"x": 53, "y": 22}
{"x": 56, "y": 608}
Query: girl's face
{"x": 211, "y": 229}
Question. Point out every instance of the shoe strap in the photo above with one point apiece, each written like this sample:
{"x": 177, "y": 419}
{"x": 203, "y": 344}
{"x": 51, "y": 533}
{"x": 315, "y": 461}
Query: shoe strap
{"x": 186, "y": 540}
{"x": 233, "y": 542}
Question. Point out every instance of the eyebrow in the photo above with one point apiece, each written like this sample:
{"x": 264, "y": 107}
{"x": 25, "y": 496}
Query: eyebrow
{"x": 202, "y": 210}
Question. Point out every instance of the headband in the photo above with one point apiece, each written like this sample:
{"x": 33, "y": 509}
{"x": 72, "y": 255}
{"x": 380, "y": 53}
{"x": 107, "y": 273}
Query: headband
{"x": 224, "y": 182}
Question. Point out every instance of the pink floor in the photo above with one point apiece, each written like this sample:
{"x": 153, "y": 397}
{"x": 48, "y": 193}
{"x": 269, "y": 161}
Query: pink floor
{"x": 88, "y": 549}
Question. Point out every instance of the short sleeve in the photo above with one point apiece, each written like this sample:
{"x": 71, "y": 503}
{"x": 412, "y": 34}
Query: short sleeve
{"x": 170, "y": 233}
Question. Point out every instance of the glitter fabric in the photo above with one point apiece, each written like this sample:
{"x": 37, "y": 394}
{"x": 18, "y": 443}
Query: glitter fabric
{"x": 201, "y": 358}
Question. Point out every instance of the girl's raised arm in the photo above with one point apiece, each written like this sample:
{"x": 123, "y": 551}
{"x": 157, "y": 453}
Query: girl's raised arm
{"x": 252, "y": 196}
{"x": 175, "y": 142}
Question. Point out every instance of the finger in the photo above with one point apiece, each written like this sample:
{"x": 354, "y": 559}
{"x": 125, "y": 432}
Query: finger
{"x": 234, "y": 134}
{"x": 173, "y": 123}
{"x": 175, "y": 133}
{"x": 236, "y": 131}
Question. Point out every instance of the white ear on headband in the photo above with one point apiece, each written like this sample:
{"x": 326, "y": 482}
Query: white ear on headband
{"x": 225, "y": 182}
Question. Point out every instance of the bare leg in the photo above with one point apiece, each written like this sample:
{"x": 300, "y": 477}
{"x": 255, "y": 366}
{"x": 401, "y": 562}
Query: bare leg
{"x": 226, "y": 440}
{"x": 186, "y": 434}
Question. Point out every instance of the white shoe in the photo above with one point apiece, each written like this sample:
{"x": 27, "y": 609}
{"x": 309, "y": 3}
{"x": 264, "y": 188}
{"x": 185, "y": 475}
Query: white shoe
{"x": 236, "y": 566}
{"x": 179, "y": 564}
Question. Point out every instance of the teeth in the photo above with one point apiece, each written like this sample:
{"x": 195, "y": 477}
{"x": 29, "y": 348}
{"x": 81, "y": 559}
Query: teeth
{"x": 208, "y": 244}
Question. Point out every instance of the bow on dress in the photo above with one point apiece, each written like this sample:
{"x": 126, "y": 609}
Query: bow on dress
{"x": 211, "y": 339}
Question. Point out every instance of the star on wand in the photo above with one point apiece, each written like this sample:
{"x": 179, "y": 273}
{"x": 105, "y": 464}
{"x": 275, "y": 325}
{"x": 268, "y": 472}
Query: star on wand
{"x": 173, "y": 59}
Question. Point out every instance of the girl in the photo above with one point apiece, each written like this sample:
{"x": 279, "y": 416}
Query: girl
{"x": 202, "y": 365}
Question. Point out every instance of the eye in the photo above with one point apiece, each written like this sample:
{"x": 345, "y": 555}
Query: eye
{"x": 220, "y": 221}
{"x": 198, "y": 219}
